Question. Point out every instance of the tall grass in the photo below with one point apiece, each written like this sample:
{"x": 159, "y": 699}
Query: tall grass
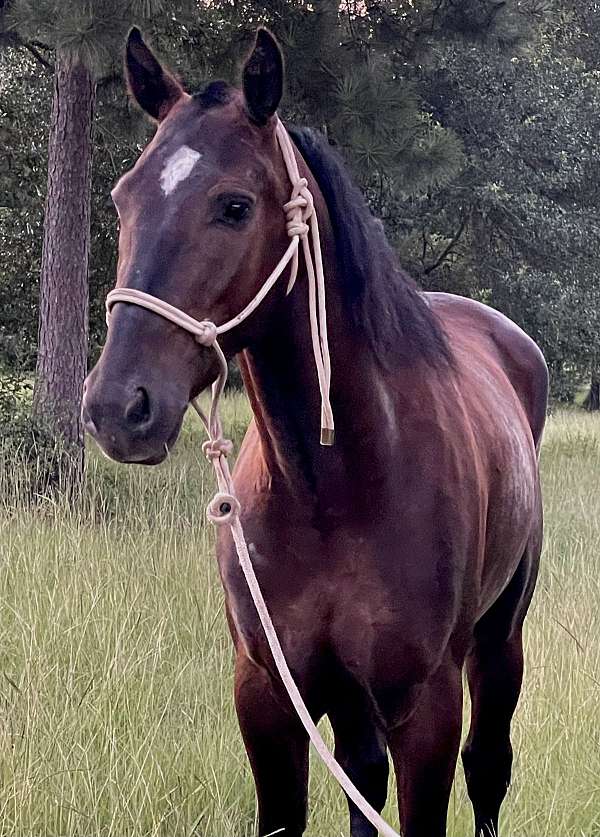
{"x": 116, "y": 715}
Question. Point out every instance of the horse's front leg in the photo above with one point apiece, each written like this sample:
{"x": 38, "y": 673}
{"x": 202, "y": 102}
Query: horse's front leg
{"x": 360, "y": 748}
{"x": 424, "y": 751}
{"x": 277, "y": 746}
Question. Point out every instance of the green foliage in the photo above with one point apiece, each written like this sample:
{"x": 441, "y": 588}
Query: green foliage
{"x": 15, "y": 396}
{"x": 24, "y": 106}
{"x": 519, "y": 227}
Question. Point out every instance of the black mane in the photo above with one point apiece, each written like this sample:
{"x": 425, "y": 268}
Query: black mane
{"x": 383, "y": 301}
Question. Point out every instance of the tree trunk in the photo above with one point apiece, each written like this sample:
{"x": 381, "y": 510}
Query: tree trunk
{"x": 63, "y": 314}
{"x": 592, "y": 399}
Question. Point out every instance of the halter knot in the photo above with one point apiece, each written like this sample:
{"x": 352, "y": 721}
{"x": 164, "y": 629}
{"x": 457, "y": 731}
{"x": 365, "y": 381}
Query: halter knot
{"x": 299, "y": 209}
{"x": 207, "y": 333}
{"x": 223, "y": 508}
{"x": 216, "y": 448}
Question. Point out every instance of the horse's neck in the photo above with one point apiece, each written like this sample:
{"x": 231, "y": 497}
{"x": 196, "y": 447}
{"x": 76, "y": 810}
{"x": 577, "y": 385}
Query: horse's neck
{"x": 282, "y": 385}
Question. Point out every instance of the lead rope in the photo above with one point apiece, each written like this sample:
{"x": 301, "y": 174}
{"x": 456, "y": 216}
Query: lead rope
{"x": 224, "y": 508}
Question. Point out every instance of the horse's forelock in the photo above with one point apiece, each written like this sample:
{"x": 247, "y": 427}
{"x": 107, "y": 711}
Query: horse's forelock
{"x": 215, "y": 93}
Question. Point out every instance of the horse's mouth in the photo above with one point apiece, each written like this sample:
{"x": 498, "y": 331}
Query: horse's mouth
{"x": 132, "y": 460}
{"x": 131, "y": 449}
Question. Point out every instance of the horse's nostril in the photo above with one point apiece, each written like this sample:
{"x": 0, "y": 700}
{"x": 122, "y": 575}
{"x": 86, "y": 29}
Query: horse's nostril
{"x": 138, "y": 410}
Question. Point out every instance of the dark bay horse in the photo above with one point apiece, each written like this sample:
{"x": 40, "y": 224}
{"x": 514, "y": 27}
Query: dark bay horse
{"x": 389, "y": 561}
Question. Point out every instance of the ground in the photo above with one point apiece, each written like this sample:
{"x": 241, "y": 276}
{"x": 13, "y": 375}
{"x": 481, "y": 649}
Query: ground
{"x": 116, "y": 715}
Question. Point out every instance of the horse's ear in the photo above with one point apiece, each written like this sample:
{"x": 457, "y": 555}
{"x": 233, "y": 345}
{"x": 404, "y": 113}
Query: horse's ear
{"x": 262, "y": 78}
{"x": 154, "y": 89}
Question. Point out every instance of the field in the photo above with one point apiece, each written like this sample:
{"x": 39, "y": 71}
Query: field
{"x": 116, "y": 715}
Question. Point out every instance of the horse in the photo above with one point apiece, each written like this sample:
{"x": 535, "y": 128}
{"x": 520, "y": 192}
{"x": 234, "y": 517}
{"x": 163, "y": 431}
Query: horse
{"x": 391, "y": 560}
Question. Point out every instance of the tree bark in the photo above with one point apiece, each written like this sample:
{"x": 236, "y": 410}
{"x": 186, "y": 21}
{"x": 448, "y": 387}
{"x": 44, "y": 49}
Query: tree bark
{"x": 63, "y": 313}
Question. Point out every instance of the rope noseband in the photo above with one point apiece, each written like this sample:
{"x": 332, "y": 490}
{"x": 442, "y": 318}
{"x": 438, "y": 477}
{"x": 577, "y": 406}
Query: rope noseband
{"x": 224, "y": 508}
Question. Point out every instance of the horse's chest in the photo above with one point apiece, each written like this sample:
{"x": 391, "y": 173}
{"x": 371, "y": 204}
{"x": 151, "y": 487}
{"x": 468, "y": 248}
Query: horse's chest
{"x": 347, "y": 597}
{"x": 304, "y": 582}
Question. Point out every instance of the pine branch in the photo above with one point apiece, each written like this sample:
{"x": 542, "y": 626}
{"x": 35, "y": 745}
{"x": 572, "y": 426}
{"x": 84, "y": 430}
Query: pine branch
{"x": 13, "y": 39}
{"x": 38, "y": 55}
{"x": 448, "y": 249}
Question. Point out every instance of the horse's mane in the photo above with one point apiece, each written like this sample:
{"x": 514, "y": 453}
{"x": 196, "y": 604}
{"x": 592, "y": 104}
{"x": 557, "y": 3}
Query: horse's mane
{"x": 383, "y": 301}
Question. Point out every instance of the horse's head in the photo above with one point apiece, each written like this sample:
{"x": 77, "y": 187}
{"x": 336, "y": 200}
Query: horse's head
{"x": 201, "y": 227}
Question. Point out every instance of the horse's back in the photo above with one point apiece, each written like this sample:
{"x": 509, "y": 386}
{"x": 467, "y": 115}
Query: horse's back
{"x": 477, "y": 327}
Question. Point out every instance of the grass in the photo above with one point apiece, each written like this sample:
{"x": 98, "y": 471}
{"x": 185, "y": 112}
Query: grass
{"x": 116, "y": 716}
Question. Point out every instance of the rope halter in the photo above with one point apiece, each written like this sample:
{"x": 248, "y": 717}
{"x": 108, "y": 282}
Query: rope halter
{"x": 301, "y": 225}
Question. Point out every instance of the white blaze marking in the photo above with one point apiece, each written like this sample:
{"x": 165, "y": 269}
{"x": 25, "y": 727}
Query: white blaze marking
{"x": 178, "y": 167}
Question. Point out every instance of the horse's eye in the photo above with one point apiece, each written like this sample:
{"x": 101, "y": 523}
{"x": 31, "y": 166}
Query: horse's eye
{"x": 236, "y": 211}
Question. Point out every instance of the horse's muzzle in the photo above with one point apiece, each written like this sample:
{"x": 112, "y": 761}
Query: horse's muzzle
{"x": 129, "y": 422}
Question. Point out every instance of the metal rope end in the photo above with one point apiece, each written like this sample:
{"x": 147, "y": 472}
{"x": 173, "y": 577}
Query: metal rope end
{"x": 327, "y": 436}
